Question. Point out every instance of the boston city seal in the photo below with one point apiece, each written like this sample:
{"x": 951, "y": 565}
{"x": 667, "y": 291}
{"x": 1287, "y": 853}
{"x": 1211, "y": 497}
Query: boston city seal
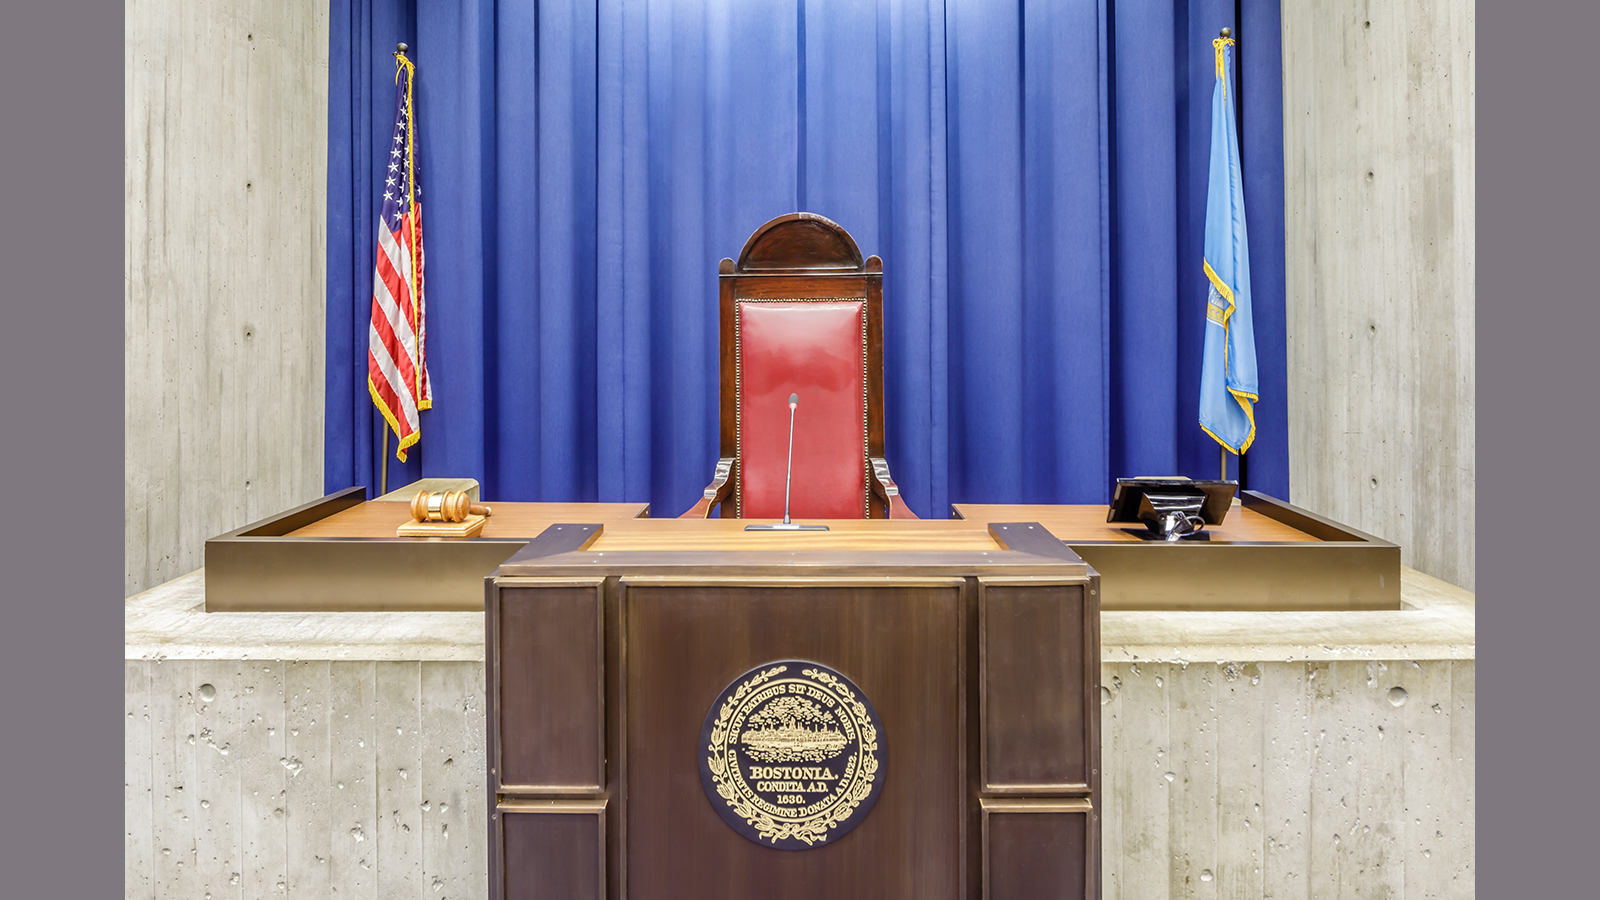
{"x": 792, "y": 755}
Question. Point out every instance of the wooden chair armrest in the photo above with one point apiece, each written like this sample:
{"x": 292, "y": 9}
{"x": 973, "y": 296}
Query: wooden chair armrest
{"x": 883, "y": 485}
{"x": 718, "y": 490}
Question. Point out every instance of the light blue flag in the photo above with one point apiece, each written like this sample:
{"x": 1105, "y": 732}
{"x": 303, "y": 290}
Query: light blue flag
{"x": 1228, "y": 372}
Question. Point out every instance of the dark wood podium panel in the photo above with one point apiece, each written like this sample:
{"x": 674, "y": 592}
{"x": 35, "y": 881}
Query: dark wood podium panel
{"x": 900, "y": 643}
{"x": 1034, "y": 682}
{"x": 552, "y": 651}
{"x": 980, "y": 661}
{"x": 558, "y": 848}
{"x": 1036, "y": 849}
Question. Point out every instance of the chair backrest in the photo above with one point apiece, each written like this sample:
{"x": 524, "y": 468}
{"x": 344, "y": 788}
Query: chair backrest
{"x": 802, "y": 313}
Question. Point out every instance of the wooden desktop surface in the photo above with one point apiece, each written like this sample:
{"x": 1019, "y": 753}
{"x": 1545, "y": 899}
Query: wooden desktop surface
{"x": 625, "y": 531}
{"x": 1087, "y": 523}
{"x": 510, "y": 521}
{"x": 943, "y": 535}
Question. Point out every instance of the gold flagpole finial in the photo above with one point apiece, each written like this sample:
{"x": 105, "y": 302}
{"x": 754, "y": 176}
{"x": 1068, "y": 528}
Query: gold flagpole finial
{"x": 1218, "y": 44}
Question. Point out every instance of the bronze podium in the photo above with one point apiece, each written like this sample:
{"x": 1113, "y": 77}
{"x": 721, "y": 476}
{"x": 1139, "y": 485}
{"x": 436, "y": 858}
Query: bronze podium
{"x": 653, "y": 733}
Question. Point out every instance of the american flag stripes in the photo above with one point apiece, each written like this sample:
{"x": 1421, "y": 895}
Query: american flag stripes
{"x": 397, "y": 363}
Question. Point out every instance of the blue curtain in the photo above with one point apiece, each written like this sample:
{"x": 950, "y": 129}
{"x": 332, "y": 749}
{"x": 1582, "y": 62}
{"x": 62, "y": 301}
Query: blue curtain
{"x": 1032, "y": 173}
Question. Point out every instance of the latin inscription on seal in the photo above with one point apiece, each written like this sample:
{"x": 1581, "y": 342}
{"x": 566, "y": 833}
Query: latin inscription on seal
{"x": 792, "y": 755}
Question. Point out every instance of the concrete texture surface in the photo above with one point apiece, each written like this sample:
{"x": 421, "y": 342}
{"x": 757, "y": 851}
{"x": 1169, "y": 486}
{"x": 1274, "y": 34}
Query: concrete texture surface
{"x": 225, "y": 138}
{"x": 1246, "y": 754}
{"x": 1289, "y": 779}
{"x": 305, "y": 778}
{"x": 1379, "y": 219}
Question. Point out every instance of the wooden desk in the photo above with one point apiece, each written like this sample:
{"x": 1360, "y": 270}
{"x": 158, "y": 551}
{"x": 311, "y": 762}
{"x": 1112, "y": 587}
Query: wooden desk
{"x": 340, "y": 553}
{"x": 1267, "y": 555}
{"x": 1087, "y": 523}
{"x": 520, "y": 522}
{"x": 607, "y": 657}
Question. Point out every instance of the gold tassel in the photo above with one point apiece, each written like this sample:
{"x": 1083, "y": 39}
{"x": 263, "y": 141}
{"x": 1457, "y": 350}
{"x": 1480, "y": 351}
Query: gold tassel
{"x": 1222, "y": 74}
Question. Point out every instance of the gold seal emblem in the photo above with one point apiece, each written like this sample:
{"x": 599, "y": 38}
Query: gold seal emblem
{"x": 793, "y": 755}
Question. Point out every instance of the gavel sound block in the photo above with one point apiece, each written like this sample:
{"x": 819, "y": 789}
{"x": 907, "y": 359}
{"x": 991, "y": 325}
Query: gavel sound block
{"x": 444, "y": 514}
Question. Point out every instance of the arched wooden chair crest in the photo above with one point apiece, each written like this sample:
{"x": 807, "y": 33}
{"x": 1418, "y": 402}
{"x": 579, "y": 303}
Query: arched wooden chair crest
{"x": 802, "y": 313}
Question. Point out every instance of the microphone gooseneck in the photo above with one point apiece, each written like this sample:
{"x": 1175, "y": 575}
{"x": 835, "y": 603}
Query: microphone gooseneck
{"x": 794, "y": 400}
{"x": 788, "y": 478}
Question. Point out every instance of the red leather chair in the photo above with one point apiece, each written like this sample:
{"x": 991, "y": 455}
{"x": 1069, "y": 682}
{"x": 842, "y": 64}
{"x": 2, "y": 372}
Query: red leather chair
{"x": 802, "y": 313}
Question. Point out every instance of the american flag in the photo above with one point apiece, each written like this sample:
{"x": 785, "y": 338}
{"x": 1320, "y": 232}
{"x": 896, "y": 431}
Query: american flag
{"x": 397, "y": 364}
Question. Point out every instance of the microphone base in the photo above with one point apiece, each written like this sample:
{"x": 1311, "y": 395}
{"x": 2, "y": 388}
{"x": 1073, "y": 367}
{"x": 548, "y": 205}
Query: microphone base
{"x": 786, "y": 526}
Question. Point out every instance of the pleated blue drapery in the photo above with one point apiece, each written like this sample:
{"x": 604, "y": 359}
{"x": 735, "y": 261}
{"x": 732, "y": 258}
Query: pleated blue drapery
{"x": 1032, "y": 173}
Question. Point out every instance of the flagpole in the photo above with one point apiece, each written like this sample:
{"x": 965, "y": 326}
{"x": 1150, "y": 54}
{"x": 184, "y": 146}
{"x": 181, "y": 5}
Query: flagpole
{"x": 1223, "y": 454}
{"x": 1227, "y": 33}
{"x": 1223, "y": 451}
{"x": 383, "y": 463}
{"x": 1239, "y": 124}
{"x": 1220, "y": 395}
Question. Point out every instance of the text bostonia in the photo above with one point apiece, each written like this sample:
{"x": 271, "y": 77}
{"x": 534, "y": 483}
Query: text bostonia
{"x": 811, "y": 772}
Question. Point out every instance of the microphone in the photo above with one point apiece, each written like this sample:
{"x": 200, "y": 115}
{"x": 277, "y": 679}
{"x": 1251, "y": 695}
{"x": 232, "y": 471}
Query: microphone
{"x": 786, "y": 525}
{"x": 794, "y": 401}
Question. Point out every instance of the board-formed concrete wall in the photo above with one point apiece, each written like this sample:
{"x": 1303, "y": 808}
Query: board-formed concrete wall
{"x": 226, "y": 109}
{"x": 305, "y": 779}
{"x": 1276, "y": 754}
{"x": 1253, "y": 779}
{"x": 1289, "y": 780}
{"x": 1379, "y": 216}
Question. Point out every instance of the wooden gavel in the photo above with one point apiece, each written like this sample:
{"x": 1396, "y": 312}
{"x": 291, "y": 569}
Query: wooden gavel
{"x": 445, "y": 506}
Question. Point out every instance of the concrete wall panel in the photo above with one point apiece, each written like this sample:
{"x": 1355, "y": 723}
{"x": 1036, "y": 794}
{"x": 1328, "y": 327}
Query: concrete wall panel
{"x": 353, "y": 853}
{"x": 1379, "y": 223}
{"x": 455, "y": 805}
{"x": 225, "y": 181}
{"x": 398, "y": 736}
{"x": 1289, "y": 779}
{"x": 1303, "y": 779}
{"x": 138, "y": 852}
{"x": 310, "y": 797}
{"x": 1285, "y": 755}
